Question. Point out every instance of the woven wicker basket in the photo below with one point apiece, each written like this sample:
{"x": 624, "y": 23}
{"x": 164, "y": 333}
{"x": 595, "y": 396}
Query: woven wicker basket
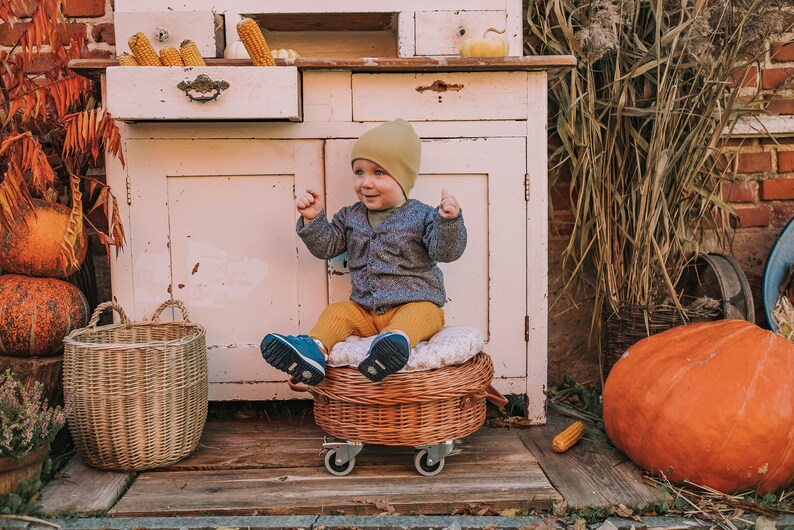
{"x": 137, "y": 391}
{"x": 405, "y": 408}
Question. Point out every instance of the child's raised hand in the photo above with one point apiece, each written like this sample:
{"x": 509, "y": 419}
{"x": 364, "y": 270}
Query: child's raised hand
{"x": 449, "y": 207}
{"x": 309, "y": 204}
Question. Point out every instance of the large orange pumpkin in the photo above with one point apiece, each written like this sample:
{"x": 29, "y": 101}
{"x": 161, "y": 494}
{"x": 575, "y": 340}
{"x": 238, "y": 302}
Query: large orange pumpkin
{"x": 712, "y": 403}
{"x": 33, "y": 246}
{"x": 37, "y": 313}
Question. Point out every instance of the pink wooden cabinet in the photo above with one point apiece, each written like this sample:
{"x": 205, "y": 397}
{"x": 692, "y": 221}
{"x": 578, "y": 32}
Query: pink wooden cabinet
{"x": 211, "y": 186}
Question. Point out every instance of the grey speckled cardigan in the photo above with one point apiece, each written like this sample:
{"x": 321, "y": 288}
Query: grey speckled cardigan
{"x": 395, "y": 263}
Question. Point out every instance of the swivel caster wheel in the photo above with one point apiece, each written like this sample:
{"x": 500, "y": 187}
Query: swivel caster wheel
{"x": 340, "y": 470}
{"x": 423, "y": 467}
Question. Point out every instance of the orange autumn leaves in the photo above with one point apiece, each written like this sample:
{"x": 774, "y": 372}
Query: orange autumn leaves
{"x": 51, "y": 130}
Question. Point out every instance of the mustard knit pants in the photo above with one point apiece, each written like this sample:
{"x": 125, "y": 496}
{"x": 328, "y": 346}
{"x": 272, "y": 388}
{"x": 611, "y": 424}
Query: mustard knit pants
{"x": 419, "y": 320}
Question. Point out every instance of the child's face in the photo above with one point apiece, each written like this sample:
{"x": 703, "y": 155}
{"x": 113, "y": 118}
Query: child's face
{"x": 374, "y": 187}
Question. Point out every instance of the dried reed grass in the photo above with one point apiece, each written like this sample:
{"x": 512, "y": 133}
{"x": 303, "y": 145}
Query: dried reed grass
{"x": 639, "y": 123}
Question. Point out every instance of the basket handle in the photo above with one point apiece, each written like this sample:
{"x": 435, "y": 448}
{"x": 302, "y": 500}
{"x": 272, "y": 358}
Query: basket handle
{"x": 490, "y": 393}
{"x": 169, "y": 303}
{"x": 108, "y": 305}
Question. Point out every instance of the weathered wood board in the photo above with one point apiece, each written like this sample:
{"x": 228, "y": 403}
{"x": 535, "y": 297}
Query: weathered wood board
{"x": 79, "y": 488}
{"x": 588, "y": 474}
{"x": 253, "y": 443}
{"x": 490, "y": 468}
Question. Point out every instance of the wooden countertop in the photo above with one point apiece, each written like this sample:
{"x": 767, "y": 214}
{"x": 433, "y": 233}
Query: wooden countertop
{"x": 93, "y": 68}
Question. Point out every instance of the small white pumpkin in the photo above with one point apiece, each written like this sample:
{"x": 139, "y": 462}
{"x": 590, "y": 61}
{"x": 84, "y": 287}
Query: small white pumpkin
{"x": 236, "y": 50}
{"x": 283, "y": 53}
{"x": 487, "y": 46}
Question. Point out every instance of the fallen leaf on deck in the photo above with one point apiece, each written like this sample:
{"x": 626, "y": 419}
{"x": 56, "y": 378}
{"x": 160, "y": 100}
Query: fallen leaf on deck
{"x": 381, "y": 504}
{"x": 475, "y": 509}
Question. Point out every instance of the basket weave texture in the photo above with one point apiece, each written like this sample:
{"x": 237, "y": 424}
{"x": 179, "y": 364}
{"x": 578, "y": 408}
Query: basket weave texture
{"x": 414, "y": 408}
{"x": 137, "y": 390}
{"x": 633, "y": 323}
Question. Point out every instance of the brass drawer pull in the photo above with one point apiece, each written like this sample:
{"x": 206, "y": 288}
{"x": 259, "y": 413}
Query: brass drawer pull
{"x": 204, "y": 85}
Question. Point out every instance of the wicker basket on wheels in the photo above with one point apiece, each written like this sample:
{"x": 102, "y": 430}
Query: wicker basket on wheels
{"x": 137, "y": 390}
{"x": 406, "y": 409}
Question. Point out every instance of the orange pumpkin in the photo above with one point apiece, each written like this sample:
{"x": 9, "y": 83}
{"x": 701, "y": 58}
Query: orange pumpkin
{"x": 37, "y": 313}
{"x": 33, "y": 246}
{"x": 712, "y": 403}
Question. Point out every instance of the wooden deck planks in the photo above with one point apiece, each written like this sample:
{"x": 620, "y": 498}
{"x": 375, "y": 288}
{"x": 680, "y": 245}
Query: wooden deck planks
{"x": 314, "y": 491}
{"x": 491, "y": 467}
{"x": 242, "y": 444}
{"x": 588, "y": 475}
{"x": 83, "y": 489}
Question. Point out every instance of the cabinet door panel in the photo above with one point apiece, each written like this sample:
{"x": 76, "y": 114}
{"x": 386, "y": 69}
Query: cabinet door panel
{"x": 487, "y": 287}
{"x": 443, "y": 32}
{"x": 216, "y": 228}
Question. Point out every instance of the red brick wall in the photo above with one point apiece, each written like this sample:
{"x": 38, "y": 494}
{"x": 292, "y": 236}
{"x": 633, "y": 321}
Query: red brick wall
{"x": 92, "y": 18}
{"x": 763, "y": 191}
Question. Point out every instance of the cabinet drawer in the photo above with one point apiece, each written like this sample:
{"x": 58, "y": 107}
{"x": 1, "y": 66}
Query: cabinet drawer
{"x": 440, "y": 96}
{"x": 442, "y": 32}
{"x": 171, "y": 26}
{"x": 241, "y": 92}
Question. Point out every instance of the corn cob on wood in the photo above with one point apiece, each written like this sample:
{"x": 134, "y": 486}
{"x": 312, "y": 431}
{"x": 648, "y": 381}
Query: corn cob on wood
{"x": 170, "y": 56}
{"x": 255, "y": 42}
{"x": 567, "y": 438}
{"x": 143, "y": 51}
{"x": 190, "y": 54}
{"x": 125, "y": 59}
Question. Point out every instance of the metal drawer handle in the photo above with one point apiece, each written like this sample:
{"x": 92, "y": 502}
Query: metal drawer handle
{"x": 204, "y": 85}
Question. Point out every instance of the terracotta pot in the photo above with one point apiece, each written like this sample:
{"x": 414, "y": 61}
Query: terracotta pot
{"x": 13, "y": 472}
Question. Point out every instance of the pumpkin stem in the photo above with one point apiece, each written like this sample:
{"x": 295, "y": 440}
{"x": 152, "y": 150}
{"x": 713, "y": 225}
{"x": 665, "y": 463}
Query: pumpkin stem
{"x": 484, "y": 33}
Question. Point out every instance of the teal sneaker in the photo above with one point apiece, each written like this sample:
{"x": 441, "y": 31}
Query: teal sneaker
{"x": 299, "y": 356}
{"x": 388, "y": 353}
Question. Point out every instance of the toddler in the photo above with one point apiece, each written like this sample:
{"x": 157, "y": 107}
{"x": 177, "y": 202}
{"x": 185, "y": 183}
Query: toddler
{"x": 393, "y": 244}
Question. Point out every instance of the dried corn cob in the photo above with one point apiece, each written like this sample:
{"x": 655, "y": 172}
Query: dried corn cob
{"x": 125, "y": 59}
{"x": 190, "y": 54}
{"x": 170, "y": 56}
{"x": 565, "y": 440}
{"x": 143, "y": 51}
{"x": 255, "y": 42}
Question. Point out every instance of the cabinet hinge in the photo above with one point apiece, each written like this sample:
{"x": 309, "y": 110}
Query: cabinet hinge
{"x": 526, "y": 328}
{"x": 526, "y": 187}
{"x": 129, "y": 191}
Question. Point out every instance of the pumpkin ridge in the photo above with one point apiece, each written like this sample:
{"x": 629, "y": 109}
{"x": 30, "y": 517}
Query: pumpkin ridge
{"x": 2, "y": 346}
{"x": 32, "y": 338}
{"x": 675, "y": 378}
{"x": 786, "y": 462}
{"x": 766, "y": 342}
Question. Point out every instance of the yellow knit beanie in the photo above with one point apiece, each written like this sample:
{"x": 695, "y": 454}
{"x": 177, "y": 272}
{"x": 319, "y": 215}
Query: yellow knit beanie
{"x": 395, "y": 147}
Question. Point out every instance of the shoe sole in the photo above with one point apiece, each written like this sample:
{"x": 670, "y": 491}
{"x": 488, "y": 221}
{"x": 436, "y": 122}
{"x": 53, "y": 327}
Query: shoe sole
{"x": 385, "y": 358}
{"x": 283, "y": 356}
